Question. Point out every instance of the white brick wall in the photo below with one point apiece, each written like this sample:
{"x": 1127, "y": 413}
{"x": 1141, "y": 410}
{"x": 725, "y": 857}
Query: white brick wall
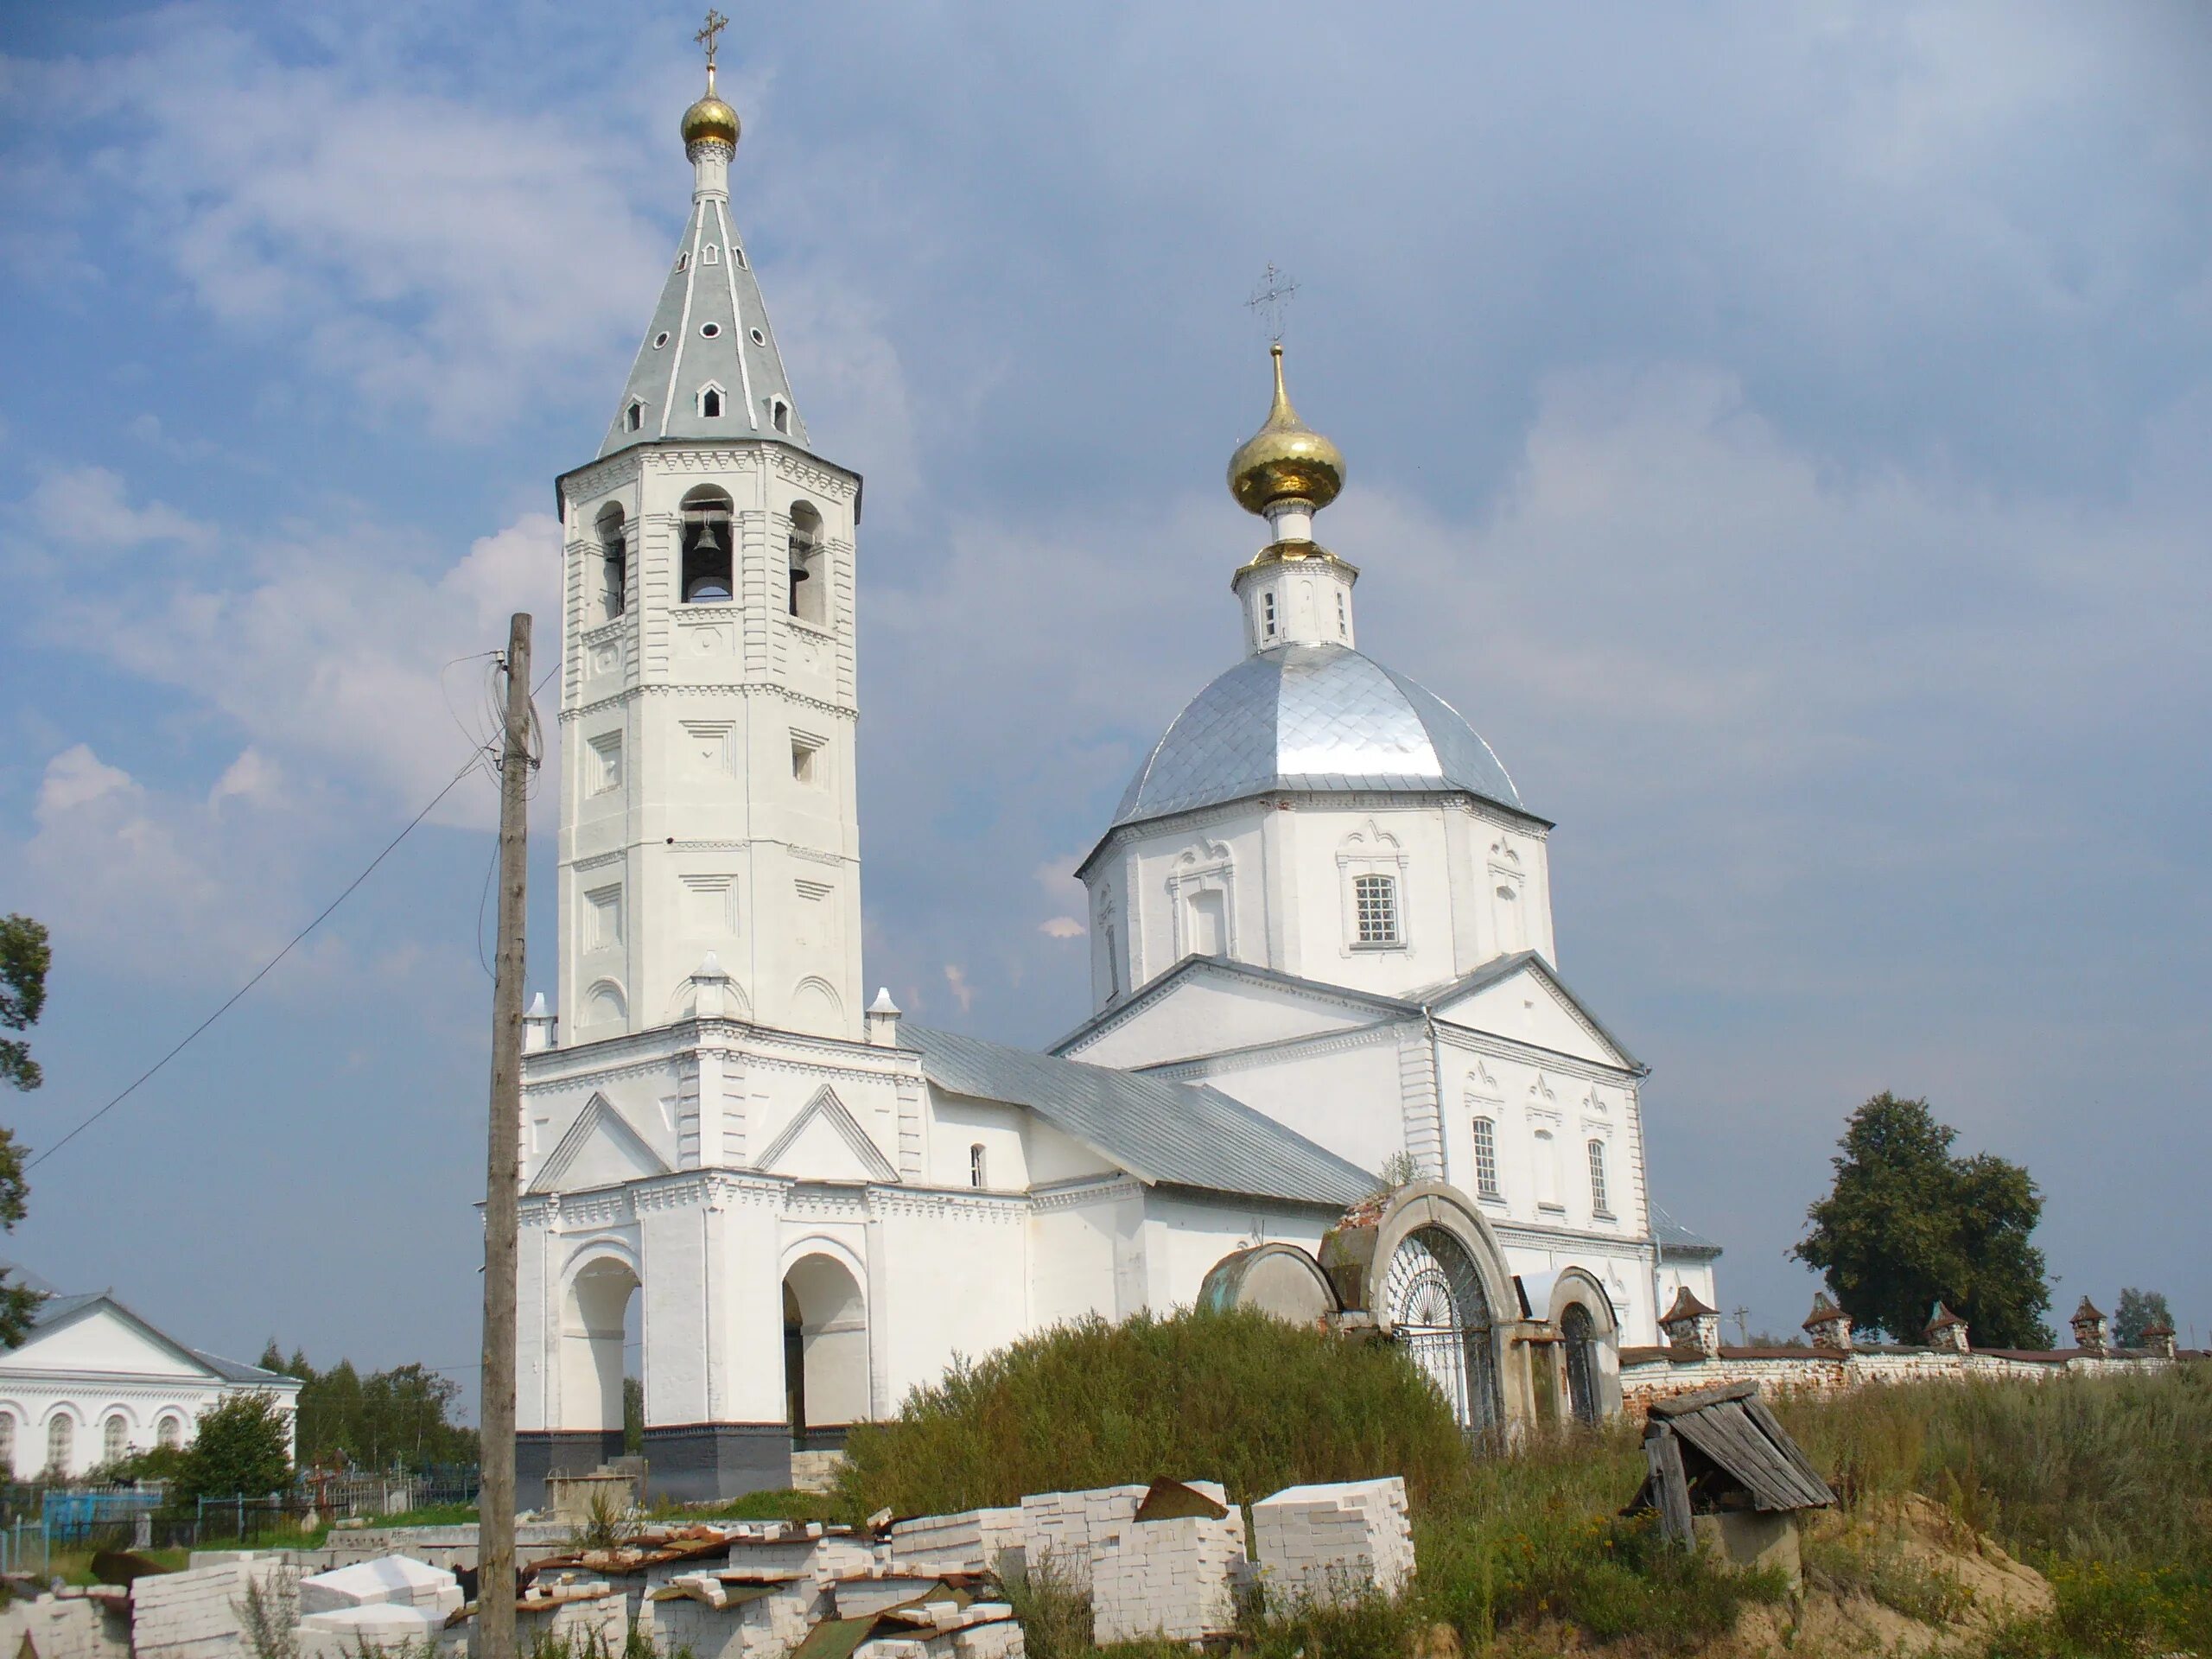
{"x": 1174, "y": 1578}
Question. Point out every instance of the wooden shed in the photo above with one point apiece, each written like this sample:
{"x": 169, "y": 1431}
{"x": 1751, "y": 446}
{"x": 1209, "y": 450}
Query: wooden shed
{"x": 1724, "y": 1471}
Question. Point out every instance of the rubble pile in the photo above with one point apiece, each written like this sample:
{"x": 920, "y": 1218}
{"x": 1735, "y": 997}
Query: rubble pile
{"x": 1164, "y": 1561}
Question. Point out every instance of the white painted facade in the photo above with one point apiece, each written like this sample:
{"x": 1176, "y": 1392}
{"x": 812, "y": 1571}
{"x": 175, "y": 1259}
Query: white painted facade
{"x": 815, "y": 1206}
{"x": 93, "y": 1382}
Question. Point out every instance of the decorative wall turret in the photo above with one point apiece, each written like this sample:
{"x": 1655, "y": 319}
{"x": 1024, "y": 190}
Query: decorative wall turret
{"x": 1828, "y": 1325}
{"x": 2092, "y": 1334}
{"x": 1946, "y": 1331}
{"x": 1691, "y": 1327}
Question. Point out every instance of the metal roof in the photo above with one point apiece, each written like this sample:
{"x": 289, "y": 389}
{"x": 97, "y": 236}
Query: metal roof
{"x": 1675, "y": 1239}
{"x": 56, "y": 1310}
{"x": 1172, "y": 1134}
{"x": 1312, "y": 718}
{"x": 710, "y": 286}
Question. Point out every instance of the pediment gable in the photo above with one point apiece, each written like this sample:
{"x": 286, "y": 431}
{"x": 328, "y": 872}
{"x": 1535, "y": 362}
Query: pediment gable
{"x": 1521, "y": 999}
{"x": 600, "y": 1149}
{"x": 106, "y": 1336}
{"x": 825, "y": 1142}
{"x": 1207, "y": 1005}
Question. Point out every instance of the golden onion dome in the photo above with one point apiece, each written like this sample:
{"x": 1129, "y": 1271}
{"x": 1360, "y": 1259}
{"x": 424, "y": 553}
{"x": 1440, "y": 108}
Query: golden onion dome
{"x": 710, "y": 118}
{"x": 1285, "y": 459}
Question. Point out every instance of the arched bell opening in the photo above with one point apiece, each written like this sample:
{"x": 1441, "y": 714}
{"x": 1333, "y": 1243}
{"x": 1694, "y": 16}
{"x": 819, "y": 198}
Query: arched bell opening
{"x": 825, "y": 1352}
{"x": 707, "y": 564}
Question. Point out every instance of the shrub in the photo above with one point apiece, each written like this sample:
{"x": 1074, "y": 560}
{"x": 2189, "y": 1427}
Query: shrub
{"x": 1236, "y": 1397}
{"x": 243, "y": 1447}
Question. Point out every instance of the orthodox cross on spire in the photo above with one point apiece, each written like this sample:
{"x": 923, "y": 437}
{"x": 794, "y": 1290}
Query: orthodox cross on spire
{"x": 715, "y": 23}
{"x": 1270, "y": 299}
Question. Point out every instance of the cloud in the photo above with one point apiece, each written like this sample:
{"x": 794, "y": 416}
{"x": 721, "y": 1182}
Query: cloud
{"x": 963, "y": 993}
{"x": 85, "y": 507}
{"x": 253, "y": 776}
{"x": 1061, "y": 927}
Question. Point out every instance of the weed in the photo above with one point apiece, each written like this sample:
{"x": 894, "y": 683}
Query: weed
{"x": 608, "y": 1523}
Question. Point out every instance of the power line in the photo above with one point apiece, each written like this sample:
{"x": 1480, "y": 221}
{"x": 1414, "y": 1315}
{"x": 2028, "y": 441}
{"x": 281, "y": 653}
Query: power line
{"x": 475, "y": 758}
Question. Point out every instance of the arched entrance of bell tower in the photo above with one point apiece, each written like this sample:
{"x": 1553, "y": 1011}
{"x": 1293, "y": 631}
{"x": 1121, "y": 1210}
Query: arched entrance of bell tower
{"x": 825, "y": 1349}
{"x": 596, "y": 1318}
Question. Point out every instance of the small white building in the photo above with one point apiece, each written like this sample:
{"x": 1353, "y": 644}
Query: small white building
{"x": 93, "y": 1382}
{"x": 1321, "y": 948}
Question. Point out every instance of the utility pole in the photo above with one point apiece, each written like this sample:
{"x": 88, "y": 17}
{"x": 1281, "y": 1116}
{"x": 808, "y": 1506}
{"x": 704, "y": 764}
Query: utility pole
{"x": 495, "y": 1582}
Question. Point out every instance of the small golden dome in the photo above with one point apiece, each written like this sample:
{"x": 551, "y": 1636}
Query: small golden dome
{"x": 1285, "y": 459}
{"x": 710, "y": 118}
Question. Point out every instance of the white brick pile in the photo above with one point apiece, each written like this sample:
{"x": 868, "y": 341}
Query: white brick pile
{"x": 195, "y": 1615}
{"x": 69, "y": 1626}
{"x": 580, "y": 1616}
{"x": 944, "y": 1630}
{"x": 1327, "y": 1541}
{"x": 389, "y": 1581}
{"x": 971, "y": 1542}
{"x": 716, "y": 1620}
{"x": 377, "y": 1628}
{"x": 1175, "y": 1579}
{"x": 1068, "y": 1529}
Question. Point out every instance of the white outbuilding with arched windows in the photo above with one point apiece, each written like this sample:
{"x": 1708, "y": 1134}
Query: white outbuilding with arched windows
{"x": 93, "y": 1382}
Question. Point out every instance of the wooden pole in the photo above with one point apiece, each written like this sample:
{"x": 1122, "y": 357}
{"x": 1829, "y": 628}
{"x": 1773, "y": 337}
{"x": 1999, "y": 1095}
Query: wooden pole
{"x": 495, "y": 1584}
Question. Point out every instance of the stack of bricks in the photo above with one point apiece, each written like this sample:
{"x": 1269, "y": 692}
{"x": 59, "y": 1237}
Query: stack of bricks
{"x": 195, "y": 1615}
{"x": 1331, "y": 1542}
{"x": 1062, "y": 1532}
{"x": 972, "y": 1541}
{"x": 70, "y": 1625}
{"x": 1173, "y": 1578}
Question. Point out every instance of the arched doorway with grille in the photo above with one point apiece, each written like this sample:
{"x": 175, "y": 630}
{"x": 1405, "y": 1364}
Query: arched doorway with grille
{"x": 1581, "y": 1312}
{"x": 1440, "y": 1315}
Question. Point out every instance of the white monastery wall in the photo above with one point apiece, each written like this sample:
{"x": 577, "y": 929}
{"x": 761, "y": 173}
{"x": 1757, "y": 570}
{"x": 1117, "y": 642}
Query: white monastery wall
{"x": 1086, "y": 1243}
{"x": 1184, "y": 1237}
{"x": 1307, "y": 1087}
{"x": 1205, "y": 1016}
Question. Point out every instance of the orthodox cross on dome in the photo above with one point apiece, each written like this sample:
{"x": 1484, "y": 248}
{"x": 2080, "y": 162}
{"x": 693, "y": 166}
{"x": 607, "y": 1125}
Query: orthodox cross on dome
{"x": 1270, "y": 299}
{"x": 715, "y": 23}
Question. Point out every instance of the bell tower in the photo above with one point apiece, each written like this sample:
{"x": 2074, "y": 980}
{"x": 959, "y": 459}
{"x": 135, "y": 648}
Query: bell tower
{"x": 709, "y": 844}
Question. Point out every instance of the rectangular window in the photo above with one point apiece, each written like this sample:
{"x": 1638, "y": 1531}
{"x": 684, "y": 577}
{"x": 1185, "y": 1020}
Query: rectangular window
{"x": 606, "y": 762}
{"x": 1344, "y": 618}
{"x": 1375, "y": 905}
{"x": 804, "y": 749}
{"x": 1268, "y": 615}
{"x": 1598, "y": 1205}
{"x": 1547, "y": 1162}
{"x": 976, "y": 1173}
{"x": 1485, "y": 1158}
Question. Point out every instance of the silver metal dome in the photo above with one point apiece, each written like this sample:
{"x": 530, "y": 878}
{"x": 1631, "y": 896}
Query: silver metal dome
{"x": 1312, "y": 717}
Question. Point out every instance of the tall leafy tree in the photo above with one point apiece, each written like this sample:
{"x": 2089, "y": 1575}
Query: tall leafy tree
{"x": 25, "y": 955}
{"x": 2138, "y": 1311}
{"x": 1908, "y": 1224}
{"x": 239, "y": 1450}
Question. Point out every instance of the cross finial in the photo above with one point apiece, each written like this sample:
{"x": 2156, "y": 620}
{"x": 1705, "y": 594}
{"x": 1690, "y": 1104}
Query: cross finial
{"x": 1269, "y": 299}
{"x": 715, "y": 23}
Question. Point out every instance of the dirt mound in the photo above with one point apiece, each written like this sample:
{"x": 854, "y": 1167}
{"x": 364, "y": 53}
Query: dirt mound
{"x": 1902, "y": 1577}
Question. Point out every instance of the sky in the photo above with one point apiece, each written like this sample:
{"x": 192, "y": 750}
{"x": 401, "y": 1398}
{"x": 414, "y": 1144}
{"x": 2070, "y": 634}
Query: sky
{"x": 1782, "y": 429}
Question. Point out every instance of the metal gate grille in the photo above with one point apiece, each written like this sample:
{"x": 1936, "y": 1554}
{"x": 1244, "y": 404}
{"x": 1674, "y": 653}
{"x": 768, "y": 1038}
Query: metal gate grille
{"x": 1440, "y": 1317}
{"x": 1580, "y": 1337}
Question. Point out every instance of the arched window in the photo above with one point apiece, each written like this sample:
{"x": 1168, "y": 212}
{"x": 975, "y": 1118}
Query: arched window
{"x": 711, "y": 403}
{"x": 976, "y": 1176}
{"x": 1375, "y": 902}
{"x": 115, "y": 1439}
{"x": 614, "y": 558}
{"x": 1486, "y": 1158}
{"x": 710, "y": 255}
{"x": 7, "y": 1446}
{"x": 707, "y": 533}
{"x": 1598, "y": 1205}
{"x": 779, "y": 415}
{"x": 633, "y": 416}
{"x": 60, "y": 1443}
{"x": 170, "y": 1434}
{"x": 809, "y": 599}
{"x": 683, "y": 260}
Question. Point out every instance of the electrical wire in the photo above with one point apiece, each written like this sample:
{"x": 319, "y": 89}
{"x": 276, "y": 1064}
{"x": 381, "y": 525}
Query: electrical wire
{"x": 477, "y": 757}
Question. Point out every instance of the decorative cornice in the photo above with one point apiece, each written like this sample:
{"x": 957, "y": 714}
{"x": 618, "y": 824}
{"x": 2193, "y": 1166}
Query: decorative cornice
{"x": 1299, "y": 1048}
{"x": 1475, "y": 1040}
{"x": 1076, "y": 1195}
{"x": 742, "y": 689}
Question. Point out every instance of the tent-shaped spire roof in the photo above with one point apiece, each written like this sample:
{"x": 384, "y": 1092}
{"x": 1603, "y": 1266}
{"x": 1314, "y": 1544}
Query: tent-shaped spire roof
{"x": 707, "y": 368}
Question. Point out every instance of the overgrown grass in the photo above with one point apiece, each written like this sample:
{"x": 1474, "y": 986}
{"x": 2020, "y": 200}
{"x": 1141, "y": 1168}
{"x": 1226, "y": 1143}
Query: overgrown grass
{"x": 1239, "y": 1398}
{"x": 784, "y": 1505}
{"x": 2105, "y": 1484}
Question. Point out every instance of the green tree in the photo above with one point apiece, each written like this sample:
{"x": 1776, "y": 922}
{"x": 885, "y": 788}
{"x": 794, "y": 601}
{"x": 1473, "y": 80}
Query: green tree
{"x": 633, "y": 1416}
{"x": 1908, "y": 1224}
{"x": 242, "y": 1447}
{"x": 2138, "y": 1311}
{"x": 25, "y": 955}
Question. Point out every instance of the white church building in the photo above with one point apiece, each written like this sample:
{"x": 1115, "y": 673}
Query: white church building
{"x": 1321, "y": 953}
